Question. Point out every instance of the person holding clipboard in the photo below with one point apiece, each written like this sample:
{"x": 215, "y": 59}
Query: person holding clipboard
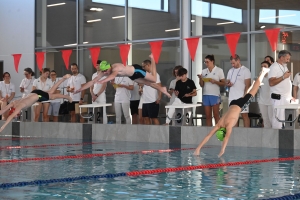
{"x": 210, "y": 80}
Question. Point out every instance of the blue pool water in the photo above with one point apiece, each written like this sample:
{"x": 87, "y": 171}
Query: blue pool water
{"x": 255, "y": 181}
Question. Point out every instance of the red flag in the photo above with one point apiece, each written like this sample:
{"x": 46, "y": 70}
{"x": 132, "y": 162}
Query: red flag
{"x": 156, "y": 49}
{"x": 95, "y": 51}
{"x": 272, "y": 35}
{"x": 124, "y": 50}
{"x": 192, "y": 44}
{"x": 40, "y": 57}
{"x": 232, "y": 40}
{"x": 17, "y": 58}
{"x": 66, "y": 56}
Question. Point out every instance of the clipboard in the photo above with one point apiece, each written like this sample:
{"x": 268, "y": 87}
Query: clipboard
{"x": 206, "y": 79}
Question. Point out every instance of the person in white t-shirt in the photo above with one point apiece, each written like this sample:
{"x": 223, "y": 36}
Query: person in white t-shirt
{"x": 141, "y": 119}
{"x": 76, "y": 81}
{"x": 27, "y": 82}
{"x": 210, "y": 80}
{"x": 123, "y": 86}
{"x": 55, "y": 104}
{"x": 265, "y": 101}
{"x": 7, "y": 92}
{"x": 42, "y": 83}
{"x": 269, "y": 59}
{"x": 280, "y": 86}
{"x": 151, "y": 98}
{"x": 296, "y": 88}
{"x": 173, "y": 84}
{"x": 98, "y": 92}
{"x": 239, "y": 81}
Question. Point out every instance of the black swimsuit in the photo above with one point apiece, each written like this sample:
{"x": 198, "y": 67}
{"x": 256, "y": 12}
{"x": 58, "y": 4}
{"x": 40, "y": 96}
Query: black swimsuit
{"x": 139, "y": 72}
{"x": 242, "y": 102}
{"x": 43, "y": 96}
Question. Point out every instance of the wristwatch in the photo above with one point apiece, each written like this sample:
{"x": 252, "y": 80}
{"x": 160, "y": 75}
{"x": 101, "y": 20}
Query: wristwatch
{"x": 96, "y": 95}
{"x": 81, "y": 99}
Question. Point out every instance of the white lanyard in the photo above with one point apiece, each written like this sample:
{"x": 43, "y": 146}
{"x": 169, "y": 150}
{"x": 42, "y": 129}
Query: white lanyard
{"x": 7, "y": 90}
{"x": 236, "y": 75}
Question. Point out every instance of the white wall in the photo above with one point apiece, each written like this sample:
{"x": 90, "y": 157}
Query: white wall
{"x": 17, "y": 36}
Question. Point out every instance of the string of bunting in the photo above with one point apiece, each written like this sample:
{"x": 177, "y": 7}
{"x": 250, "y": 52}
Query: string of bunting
{"x": 145, "y": 172}
{"x": 155, "y": 46}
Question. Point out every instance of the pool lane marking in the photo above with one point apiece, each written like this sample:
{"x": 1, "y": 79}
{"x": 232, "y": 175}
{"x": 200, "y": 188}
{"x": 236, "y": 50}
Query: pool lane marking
{"x": 145, "y": 172}
{"x": 82, "y": 156}
{"x": 48, "y": 145}
{"x": 17, "y": 138}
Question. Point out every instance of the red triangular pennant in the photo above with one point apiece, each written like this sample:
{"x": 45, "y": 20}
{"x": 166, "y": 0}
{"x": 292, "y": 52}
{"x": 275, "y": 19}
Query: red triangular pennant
{"x": 156, "y": 49}
{"x": 40, "y": 57}
{"x": 17, "y": 58}
{"x": 94, "y": 51}
{"x": 232, "y": 40}
{"x": 66, "y": 57}
{"x": 192, "y": 44}
{"x": 272, "y": 35}
{"x": 124, "y": 50}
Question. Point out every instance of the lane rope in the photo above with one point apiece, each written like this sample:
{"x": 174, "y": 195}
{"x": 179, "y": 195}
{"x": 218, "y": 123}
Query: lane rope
{"x": 49, "y": 145}
{"x": 82, "y": 156}
{"x": 145, "y": 172}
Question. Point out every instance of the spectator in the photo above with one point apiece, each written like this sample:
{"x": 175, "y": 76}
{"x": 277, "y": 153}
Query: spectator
{"x": 264, "y": 102}
{"x": 27, "y": 82}
{"x": 269, "y": 59}
{"x": 123, "y": 85}
{"x": 98, "y": 92}
{"x": 42, "y": 83}
{"x": 141, "y": 119}
{"x": 296, "y": 88}
{"x": 7, "y": 92}
{"x": 151, "y": 98}
{"x": 134, "y": 103}
{"x": 280, "y": 85}
{"x": 239, "y": 81}
{"x": 55, "y": 104}
{"x": 173, "y": 84}
{"x": 76, "y": 81}
{"x": 185, "y": 89}
{"x": 210, "y": 80}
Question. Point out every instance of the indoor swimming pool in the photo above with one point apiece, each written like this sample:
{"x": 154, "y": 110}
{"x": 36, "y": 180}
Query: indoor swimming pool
{"x": 41, "y": 168}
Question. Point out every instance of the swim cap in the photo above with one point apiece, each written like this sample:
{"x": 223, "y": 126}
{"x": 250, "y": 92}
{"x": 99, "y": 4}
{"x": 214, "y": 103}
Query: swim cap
{"x": 104, "y": 65}
{"x": 221, "y": 133}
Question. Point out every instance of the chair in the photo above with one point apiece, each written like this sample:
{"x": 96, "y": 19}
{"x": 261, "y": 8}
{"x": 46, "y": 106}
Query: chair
{"x": 254, "y": 113}
{"x": 199, "y": 111}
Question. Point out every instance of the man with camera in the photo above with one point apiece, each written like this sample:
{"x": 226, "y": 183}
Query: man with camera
{"x": 280, "y": 85}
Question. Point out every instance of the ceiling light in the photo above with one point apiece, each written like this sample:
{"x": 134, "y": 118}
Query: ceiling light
{"x": 193, "y": 20}
{"x": 225, "y": 23}
{"x": 293, "y": 15}
{"x": 116, "y": 17}
{"x": 262, "y": 26}
{"x": 85, "y": 42}
{"x": 93, "y": 20}
{"x": 70, "y": 44}
{"x": 56, "y": 4}
{"x": 96, "y": 9}
{"x": 175, "y": 29}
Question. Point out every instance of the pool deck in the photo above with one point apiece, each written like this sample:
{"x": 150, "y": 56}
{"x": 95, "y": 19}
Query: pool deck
{"x": 173, "y": 135}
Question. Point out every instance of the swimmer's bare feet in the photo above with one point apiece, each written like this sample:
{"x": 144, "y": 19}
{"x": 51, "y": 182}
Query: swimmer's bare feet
{"x": 164, "y": 90}
{"x": 166, "y": 124}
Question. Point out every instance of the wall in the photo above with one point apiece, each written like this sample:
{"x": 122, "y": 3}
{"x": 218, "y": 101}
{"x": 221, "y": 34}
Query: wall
{"x": 17, "y": 36}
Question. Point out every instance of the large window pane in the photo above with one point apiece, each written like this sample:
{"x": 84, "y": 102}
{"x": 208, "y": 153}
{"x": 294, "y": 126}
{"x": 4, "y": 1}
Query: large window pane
{"x": 276, "y": 14}
{"x": 101, "y": 21}
{"x": 153, "y": 19}
{"x": 217, "y": 17}
{"x": 55, "y": 22}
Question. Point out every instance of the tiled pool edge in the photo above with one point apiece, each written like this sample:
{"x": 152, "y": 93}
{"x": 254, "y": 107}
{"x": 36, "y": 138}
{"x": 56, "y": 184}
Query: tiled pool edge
{"x": 245, "y": 137}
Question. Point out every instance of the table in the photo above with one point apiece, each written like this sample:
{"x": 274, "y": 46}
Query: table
{"x": 291, "y": 115}
{"x": 183, "y": 113}
{"x": 93, "y": 106}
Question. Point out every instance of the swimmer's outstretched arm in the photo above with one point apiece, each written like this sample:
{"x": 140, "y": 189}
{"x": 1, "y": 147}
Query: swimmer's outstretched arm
{"x": 10, "y": 117}
{"x": 211, "y": 133}
{"x": 90, "y": 83}
{"x": 225, "y": 141}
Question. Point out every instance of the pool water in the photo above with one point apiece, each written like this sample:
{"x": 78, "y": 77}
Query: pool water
{"x": 248, "y": 181}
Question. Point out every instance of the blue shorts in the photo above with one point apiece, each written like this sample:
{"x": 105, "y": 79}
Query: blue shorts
{"x": 211, "y": 100}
